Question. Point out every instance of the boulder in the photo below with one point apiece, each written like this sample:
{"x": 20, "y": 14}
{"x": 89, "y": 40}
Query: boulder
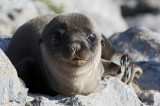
{"x": 150, "y": 97}
{"x": 14, "y": 13}
{"x": 140, "y": 43}
{"x": 11, "y": 87}
{"x": 150, "y": 80}
{"x": 110, "y": 92}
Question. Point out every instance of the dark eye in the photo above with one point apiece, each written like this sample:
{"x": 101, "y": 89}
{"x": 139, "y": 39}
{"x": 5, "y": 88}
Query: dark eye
{"x": 92, "y": 38}
{"x": 56, "y": 38}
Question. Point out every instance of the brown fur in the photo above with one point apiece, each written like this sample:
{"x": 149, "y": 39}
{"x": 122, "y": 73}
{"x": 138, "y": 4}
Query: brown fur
{"x": 71, "y": 67}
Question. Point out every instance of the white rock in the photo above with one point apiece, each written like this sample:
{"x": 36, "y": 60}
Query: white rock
{"x": 140, "y": 43}
{"x": 12, "y": 104}
{"x": 11, "y": 88}
{"x": 39, "y": 101}
{"x": 14, "y": 13}
{"x": 111, "y": 92}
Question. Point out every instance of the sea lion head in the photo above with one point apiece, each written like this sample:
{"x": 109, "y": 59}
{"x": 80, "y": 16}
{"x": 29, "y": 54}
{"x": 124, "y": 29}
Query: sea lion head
{"x": 72, "y": 39}
{"x": 71, "y": 47}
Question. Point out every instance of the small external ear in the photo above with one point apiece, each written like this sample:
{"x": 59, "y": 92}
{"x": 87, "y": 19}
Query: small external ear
{"x": 107, "y": 49}
{"x": 39, "y": 41}
{"x": 102, "y": 42}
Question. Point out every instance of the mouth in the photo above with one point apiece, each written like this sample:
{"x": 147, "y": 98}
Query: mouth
{"x": 75, "y": 61}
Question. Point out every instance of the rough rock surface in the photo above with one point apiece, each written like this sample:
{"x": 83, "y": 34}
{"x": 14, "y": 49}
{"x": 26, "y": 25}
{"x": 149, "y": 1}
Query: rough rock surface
{"x": 11, "y": 87}
{"x": 111, "y": 92}
{"x": 4, "y": 43}
{"x": 150, "y": 80}
{"x": 150, "y": 97}
{"x": 140, "y": 43}
{"x": 16, "y": 12}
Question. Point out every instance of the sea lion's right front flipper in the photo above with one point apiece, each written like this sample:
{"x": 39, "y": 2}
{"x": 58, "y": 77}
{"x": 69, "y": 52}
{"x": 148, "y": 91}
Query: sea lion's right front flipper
{"x": 110, "y": 68}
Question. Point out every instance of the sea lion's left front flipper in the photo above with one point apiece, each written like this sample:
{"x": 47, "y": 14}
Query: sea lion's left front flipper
{"x": 119, "y": 65}
{"x": 130, "y": 72}
{"x": 135, "y": 73}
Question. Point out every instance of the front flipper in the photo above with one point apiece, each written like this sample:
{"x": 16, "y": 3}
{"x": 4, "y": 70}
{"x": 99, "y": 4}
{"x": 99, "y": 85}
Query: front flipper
{"x": 110, "y": 68}
{"x": 129, "y": 72}
{"x": 119, "y": 65}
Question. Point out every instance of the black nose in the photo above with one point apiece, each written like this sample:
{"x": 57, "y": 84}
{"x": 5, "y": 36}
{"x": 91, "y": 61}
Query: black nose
{"x": 74, "y": 47}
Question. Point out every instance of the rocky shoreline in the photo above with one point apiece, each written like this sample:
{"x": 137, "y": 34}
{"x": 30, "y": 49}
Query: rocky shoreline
{"x": 115, "y": 18}
{"x": 110, "y": 91}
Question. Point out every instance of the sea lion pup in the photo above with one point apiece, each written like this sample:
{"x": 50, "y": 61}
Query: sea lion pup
{"x": 63, "y": 54}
